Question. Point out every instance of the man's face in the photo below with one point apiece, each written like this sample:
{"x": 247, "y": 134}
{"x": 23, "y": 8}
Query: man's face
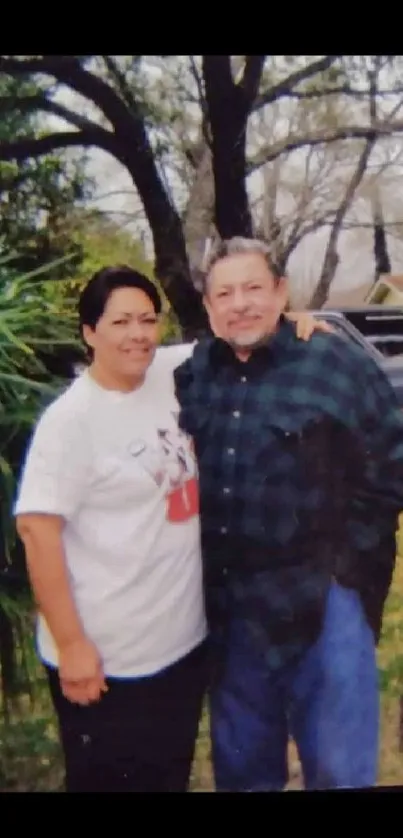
{"x": 243, "y": 301}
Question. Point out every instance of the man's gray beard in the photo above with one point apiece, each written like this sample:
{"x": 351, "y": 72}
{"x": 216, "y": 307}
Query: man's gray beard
{"x": 256, "y": 344}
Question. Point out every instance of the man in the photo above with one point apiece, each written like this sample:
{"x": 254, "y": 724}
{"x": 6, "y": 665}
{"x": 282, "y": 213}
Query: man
{"x": 300, "y": 451}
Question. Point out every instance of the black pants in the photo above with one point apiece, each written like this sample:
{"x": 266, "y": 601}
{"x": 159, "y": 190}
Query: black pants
{"x": 140, "y": 736}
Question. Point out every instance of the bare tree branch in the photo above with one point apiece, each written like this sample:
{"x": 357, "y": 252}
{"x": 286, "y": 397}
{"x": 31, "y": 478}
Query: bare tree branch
{"x": 284, "y": 87}
{"x": 324, "y": 136}
{"x": 68, "y": 70}
{"x": 305, "y": 230}
{"x": 331, "y": 259}
{"x": 45, "y": 64}
{"x": 341, "y": 90}
{"x": 298, "y": 231}
{"x": 130, "y": 143}
{"x": 363, "y": 225}
{"x": 381, "y": 255}
{"x": 251, "y": 77}
{"x": 198, "y": 150}
{"x": 129, "y": 193}
{"x": 29, "y": 104}
{"x": 23, "y": 149}
{"x": 198, "y": 82}
{"x": 120, "y": 80}
{"x": 131, "y": 146}
{"x": 269, "y": 222}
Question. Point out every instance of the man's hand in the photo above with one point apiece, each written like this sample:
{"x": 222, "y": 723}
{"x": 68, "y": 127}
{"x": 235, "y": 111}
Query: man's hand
{"x": 306, "y": 324}
{"x": 80, "y": 670}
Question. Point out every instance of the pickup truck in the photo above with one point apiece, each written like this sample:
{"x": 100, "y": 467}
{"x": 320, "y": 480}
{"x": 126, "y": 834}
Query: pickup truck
{"x": 378, "y": 330}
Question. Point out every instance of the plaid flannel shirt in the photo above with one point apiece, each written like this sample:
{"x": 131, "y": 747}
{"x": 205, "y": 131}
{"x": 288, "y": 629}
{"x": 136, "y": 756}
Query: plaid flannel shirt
{"x": 300, "y": 454}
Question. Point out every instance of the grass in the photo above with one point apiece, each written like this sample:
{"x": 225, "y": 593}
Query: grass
{"x": 30, "y": 756}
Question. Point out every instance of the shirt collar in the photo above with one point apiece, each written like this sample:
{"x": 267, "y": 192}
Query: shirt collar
{"x": 222, "y": 354}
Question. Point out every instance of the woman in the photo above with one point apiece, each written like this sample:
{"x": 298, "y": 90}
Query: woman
{"x": 108, "y": 514}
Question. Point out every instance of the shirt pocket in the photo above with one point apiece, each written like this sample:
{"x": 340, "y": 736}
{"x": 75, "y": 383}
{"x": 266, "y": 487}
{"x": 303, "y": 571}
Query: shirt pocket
{"x": 311, "y": 435}
{"x": 296, "y": 476}
{"x": 294, "y": 432}
{"x": 317, "y": 456}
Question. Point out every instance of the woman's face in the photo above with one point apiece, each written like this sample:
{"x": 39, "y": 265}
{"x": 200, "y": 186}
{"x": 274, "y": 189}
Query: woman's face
{"x": 126, "y": 336}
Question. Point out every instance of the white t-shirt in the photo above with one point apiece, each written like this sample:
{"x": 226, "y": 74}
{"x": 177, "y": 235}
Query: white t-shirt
{"x": 124, "y": 477}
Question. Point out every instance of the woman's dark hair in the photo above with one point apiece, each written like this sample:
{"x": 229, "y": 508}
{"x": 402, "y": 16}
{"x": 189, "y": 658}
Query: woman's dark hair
{"x": 94, "y": 297}
{"x": 96, "y": 293}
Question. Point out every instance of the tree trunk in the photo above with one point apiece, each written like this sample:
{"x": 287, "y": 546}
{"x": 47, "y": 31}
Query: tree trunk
{"x": 381, "y": 255}
{"x": 232, "y": 215}
{"x": 198, "y": 220}
{"x": 228, "y": 106}
{"x": 172, "y": 267}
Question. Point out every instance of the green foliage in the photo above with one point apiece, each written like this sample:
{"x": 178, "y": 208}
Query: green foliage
{"x": 104, "y": 243}
{"x": 30, "y": 321}
{"x": 30, "y": 753}
{"x": 37, "y": 195}
{"x": 391, "y": 646}
{"x": 101, "y": 243}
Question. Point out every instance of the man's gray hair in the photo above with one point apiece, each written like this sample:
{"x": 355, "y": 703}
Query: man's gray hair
{"x": 220, "y": 249}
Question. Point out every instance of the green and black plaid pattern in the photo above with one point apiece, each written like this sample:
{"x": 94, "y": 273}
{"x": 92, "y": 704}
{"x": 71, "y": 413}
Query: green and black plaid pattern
{"x": 300, "y": 455}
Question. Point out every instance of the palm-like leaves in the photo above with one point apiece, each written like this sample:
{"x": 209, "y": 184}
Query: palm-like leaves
{"x": 37, "y": 320}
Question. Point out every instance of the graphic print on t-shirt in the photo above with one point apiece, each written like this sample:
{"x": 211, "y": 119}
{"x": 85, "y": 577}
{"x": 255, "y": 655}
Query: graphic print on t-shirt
{"x": 172, "y": 461}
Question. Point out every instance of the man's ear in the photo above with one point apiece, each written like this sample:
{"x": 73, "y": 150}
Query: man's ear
{"x": 207, "y": 306}
{"x": 283, "y": 289}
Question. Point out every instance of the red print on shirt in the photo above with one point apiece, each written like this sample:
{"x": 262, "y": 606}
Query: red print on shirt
{"x": 183, "y": 503}
{"x": 182, "y": 497}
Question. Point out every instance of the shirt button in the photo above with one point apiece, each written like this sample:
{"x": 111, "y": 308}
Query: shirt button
{"x": 231, "y": 451}
{"x": 236, "y": 414}
{"x": 226, "y": 490}
{"x": 243, "y": 379}
{"x": 223, "y": 530}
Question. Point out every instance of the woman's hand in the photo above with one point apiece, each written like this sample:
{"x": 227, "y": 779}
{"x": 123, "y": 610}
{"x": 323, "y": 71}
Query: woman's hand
{"x": 80, "y": 672}
{"x": 306, "y": 324}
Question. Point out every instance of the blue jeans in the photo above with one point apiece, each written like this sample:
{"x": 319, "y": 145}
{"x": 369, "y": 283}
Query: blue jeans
{"x": 328, "y": 701}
